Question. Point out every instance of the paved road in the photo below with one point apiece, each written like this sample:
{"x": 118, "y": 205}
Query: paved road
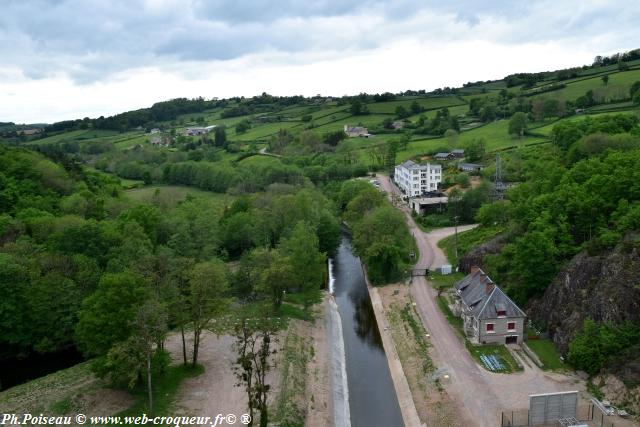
{"x": 480, "y": 394}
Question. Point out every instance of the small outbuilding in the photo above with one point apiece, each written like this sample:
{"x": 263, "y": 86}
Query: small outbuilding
{"x": 470, "y": 167}
{"x": 443, "y": 156}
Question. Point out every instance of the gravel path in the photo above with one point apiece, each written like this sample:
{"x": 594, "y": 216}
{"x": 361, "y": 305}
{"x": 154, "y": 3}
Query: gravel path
{"x": 481, "y": 395}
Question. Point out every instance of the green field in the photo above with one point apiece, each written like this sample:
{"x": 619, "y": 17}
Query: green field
{"x": 366, "y": 121}
{"x": 173, "y": 194}
{"x": 426, "y": 103}
{"x": 77, "y": 135}
{"x": 547, "y": 353}
{"x": 127, "y": 143}
{"x": 619, "y": 82}
{"x": 546, "y": 130}
{"x": 457, "y": 110}
{"x": 263, "y": 131}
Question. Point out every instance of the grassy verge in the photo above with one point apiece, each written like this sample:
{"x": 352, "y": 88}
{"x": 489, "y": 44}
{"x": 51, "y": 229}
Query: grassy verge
{"x": 164, "y": 390}
{"x": 411, "y": 343}
{"x": 442, "y": 282}
{"x": 498, "y": 350}
{"x": 408, "y": 316}
{"x": 290, "y": 405}
{"x": 292, "y": 311}
{"x": 454, "y": 321}
{"x": 467, "y": 240}
{"x": 547, "y": 353}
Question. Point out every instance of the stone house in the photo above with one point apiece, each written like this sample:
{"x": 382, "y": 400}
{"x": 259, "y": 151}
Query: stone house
{"x": 355, "y": 131}
{"x": 488, "y": 314}
{"x": 470, "y": 167}
{"x": 443, "y": 156}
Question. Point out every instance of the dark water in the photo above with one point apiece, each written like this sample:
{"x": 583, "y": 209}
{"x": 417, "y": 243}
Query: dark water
{"x": 18, "y": 371}
{"x": 372, "y": 397}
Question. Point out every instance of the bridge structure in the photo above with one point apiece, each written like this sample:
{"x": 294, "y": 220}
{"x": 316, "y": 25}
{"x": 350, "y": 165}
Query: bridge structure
{"x": 419, "y": 272}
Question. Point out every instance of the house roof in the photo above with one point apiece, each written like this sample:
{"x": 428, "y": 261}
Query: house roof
{"x": 440, "y": 155}
{"x": 483, "y": 298}
{"x": 410, "y": 164}
{"x": 457, "y": 151}
{"x": 470, "y": 165}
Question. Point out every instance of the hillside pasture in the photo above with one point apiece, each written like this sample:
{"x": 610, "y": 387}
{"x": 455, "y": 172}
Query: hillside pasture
{"x": 426, "y": 103}
{"x": 617, "y": 88}
{"x": 264, "y": 130}
{"x": 172, "y": 195}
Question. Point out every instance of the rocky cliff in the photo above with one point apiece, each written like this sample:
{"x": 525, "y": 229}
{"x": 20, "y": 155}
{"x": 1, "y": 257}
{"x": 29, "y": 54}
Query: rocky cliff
{"x": 475, "y": 257}
{"x": 603, "y": 287}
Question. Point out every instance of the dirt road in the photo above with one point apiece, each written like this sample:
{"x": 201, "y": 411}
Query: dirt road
{"x": 481, "y": 395}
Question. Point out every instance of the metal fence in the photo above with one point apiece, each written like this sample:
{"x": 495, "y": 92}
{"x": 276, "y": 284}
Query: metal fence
{"x": 585, "y": 414}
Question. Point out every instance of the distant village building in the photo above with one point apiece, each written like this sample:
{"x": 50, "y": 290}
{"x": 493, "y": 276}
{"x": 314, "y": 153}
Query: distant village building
{"x": 398, "y": 124}
{"x": 154, "y": 130}
{"x": 458, "y": 153}
{"x": 488, "y": 314}
{"x": 470, "y": 167}
{"x": 29, "y": 132}
{"x": 198, "y": 130}
{"x": 443, "y": 156}
{"x": 160, "y": 140}
{"x": 416, "y": 179}
{"x": 354, "y": 131}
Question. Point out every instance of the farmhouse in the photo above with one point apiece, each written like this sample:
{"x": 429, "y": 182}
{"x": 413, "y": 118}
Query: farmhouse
{"x": 488, "y": 314}
{"x": 414, "y": 179}
{"x": 354, "y": 131}
{"x": 160, "y": 140}
{"x": 198, "y": 130}
{"x": 398, "y": 124}
{"x": 458, "y": 153}
{"x": 470, "y": 167}
{"x": 443, "y": 156}
{"x": 29, "y": 132}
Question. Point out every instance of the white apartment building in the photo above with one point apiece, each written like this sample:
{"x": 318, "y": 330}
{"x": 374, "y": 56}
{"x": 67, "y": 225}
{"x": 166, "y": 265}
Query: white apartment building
{"x": 414, "y": 179}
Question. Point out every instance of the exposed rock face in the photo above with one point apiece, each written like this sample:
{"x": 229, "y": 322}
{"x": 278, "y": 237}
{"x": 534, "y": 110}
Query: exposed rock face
{"x": 475, "y": 256}
{"x": 617, "y": 392}
{"x": 603, "y": 287}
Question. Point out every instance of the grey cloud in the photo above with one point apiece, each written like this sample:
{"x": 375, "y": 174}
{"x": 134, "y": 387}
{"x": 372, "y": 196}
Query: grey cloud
{"x": 91, "y": 40}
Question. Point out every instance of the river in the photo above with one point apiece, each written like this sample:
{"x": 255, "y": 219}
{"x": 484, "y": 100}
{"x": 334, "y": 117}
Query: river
{"x": 372, "y": 396}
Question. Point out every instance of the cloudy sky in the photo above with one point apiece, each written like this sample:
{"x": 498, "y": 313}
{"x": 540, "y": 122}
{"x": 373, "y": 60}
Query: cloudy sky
{"x": 65, "y": 59}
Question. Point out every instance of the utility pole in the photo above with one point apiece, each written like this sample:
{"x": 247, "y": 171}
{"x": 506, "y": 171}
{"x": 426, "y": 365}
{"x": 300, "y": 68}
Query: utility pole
{"x": 455, "y": 224}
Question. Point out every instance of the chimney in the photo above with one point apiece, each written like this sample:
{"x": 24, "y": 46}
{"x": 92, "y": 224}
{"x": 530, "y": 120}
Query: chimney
{"x": 486, "y": 281}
